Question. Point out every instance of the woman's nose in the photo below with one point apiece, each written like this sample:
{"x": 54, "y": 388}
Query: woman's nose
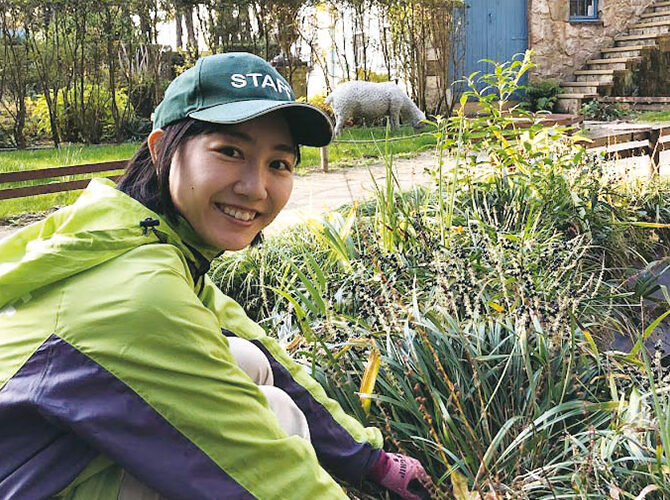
{"x": 252, "y": 182}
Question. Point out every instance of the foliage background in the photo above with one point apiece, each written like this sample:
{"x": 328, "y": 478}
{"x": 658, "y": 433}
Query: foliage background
{"x": 93, "y": 71}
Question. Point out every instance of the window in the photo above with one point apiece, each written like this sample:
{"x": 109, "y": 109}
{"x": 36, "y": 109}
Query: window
{"x": 583, "y": 10}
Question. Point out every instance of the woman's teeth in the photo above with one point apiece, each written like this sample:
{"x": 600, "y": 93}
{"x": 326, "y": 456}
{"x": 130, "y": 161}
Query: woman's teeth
{"x": 237, "y": 213}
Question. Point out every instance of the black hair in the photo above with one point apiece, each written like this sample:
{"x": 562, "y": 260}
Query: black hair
{"x": 149, "y": 182}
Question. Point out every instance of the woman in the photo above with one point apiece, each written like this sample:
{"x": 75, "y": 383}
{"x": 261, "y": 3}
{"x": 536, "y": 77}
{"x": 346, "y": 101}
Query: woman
{"x": 116, "y": 380}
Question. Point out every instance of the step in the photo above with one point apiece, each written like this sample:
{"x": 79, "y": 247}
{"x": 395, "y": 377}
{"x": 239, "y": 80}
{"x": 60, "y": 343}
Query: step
{"x": 663, "y": 15}
{"x": 649, "y": 28}
{"x": 596, "y": 76}
{"x": 637, "y": 99}
{"x": 614, "y": 63}
{"x": 581, "y": 87}
{"x": 631, "y": 51}
{"x": 660, "y": 5}
{"x": 577, "y": 96}
{"x": 646, "y": 107}
{"x": 640, "y": 103}
{"x": 630, "y": 40}
{"x": 650, "y": 24}
{"x": 649, "y": 12}
{"x": 582, "y": 84}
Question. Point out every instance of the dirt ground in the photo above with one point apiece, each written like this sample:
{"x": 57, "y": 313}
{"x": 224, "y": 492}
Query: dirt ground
{"x": 13, "y": 223}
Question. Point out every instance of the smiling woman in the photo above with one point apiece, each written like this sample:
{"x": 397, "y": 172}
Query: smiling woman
{"x": 124, "y": 372}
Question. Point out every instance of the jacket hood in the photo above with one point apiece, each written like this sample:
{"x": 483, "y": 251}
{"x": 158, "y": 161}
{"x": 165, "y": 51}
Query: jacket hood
{"x": 102, "y": 224}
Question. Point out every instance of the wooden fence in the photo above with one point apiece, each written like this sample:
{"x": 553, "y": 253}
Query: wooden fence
{"x": 644, "y": 142}
{"x": 55, "y": 173}
{"x": 649, "y": 142}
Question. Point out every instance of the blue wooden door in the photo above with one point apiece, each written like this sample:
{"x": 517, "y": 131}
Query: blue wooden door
{"x": 495, "y": 30}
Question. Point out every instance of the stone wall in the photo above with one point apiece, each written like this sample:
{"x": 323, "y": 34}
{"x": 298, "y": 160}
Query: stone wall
{"x": 562, "y": 47}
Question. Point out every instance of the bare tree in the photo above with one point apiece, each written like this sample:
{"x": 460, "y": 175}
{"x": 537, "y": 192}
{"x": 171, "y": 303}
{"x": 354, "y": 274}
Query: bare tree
{"x": 14, "y": 68}
{"x": 309, "y": 33}
{"x": 427, "y": 41}
{"x": 45, "y": 20}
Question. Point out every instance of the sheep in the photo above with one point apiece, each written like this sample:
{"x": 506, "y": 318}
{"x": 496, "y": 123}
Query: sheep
{"x": 371, "y": 101}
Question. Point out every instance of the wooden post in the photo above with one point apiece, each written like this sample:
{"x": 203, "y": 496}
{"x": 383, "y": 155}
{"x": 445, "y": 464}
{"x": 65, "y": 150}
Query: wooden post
{"x": 324, "y": 159}
{"x": 655, "y": 150}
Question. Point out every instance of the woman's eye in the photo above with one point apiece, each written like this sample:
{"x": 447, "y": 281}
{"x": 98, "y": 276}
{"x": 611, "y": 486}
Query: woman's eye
{"x": 231, "y": 151}
{"x": 281, "y": 165}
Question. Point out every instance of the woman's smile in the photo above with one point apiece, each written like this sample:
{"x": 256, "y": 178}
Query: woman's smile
{"x": 237, "y": 213}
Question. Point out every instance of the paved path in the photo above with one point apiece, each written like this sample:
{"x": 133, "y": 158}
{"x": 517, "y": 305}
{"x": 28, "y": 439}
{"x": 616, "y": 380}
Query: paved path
{"x": 6, "y": 231}
{"x": 318, "y": 192}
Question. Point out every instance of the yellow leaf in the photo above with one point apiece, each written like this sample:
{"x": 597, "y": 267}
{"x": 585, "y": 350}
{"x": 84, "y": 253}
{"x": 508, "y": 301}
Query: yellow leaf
{"x": 589, "y": 339}
{"x": 460, "y": 487}
{"x": 369, "y": 379}
{"x": 294, "y": 343}
{"x": 654, "y": 225}
{"x": 497, "y": 307}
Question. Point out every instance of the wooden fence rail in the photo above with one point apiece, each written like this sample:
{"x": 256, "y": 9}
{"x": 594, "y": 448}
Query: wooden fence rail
{"x": 645, "y": 142}
{"x": 55, "y": 173}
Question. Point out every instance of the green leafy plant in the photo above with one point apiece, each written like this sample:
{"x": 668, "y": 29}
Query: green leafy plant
{"x": 542, "y": 95}
{"x": 596, "y": 110}
{"x": 96, "y": 124}
{"x": 319, "y": 100}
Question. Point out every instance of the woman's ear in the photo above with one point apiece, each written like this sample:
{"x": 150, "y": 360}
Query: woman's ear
{"x": 152, "y": 142}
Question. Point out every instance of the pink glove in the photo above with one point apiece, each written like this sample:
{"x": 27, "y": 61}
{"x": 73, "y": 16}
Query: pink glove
{"x": 401, "y": 474}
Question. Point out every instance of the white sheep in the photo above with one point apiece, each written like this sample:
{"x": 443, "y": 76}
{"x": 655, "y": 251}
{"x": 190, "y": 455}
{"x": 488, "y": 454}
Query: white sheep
{"x": 372, "y": 101}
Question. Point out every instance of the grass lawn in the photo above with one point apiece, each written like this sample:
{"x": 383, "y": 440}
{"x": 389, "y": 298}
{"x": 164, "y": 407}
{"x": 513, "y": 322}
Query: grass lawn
{"x": 340, "y": 154}
{"x": 346, "y": 152}
{"x": 653, "y": 116}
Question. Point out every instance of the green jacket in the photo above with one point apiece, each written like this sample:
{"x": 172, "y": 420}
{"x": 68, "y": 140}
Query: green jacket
{"x": 112, "y": 357}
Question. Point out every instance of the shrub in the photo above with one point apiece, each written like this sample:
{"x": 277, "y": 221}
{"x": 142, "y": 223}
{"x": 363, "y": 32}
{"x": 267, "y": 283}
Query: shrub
{"x": 372, "y": 76}
{"x": 93, "y": 125}
{"x": 595, "y": 110}
{"x": 31, "y": 127}
{"x": 319, "y": 100}
{"x": 542, "y": 95}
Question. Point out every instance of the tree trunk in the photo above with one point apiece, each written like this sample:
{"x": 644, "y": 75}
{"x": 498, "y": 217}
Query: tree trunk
{"x": 190, "y": 31}
{"x": 178, "y": 19}
{"x": 20, "y": 123}
{"x": 111, "y": 70}
{"x": 386, "y": 52}
{"x": 44, "y": 61}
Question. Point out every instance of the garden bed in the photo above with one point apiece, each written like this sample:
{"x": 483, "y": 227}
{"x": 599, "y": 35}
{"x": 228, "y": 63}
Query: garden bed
{"x": 472, "y": 320}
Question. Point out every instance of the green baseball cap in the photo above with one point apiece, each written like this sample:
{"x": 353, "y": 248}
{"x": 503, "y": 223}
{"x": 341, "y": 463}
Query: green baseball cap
{"x": 235, "y": 87}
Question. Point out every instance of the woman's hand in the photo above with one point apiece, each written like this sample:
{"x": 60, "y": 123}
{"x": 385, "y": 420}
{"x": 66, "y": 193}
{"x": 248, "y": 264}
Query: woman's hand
{"x": 401, "y": 474}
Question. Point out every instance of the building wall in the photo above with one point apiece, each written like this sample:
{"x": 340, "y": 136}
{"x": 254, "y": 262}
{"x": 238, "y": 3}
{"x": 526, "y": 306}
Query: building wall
{"x": 562, "y": 47}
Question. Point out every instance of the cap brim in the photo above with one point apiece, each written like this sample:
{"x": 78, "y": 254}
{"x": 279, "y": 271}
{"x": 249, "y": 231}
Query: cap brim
{"x": 309, "y": 125}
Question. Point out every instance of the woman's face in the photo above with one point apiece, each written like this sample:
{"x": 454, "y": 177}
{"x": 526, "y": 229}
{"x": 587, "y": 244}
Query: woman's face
{"x": 229, "y": 185}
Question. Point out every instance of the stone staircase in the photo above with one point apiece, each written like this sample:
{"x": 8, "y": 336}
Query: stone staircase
{"x": 630, "y": 67}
